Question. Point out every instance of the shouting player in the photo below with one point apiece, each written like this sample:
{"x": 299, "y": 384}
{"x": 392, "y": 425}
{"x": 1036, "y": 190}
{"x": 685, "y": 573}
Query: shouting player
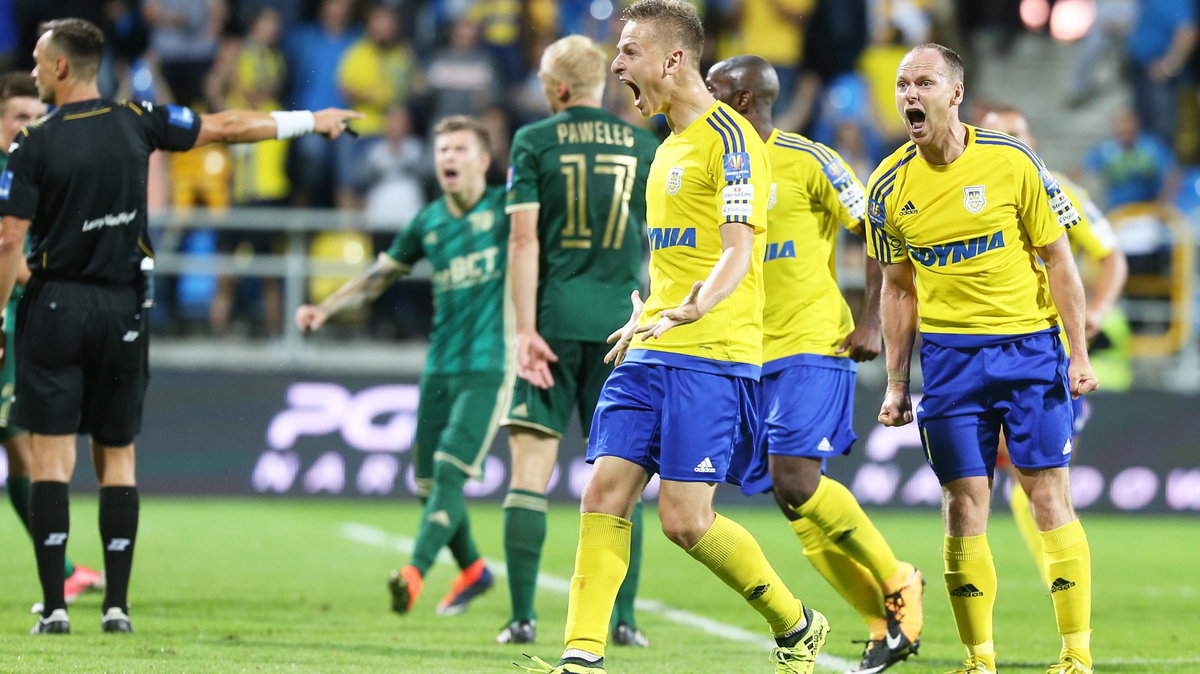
{"x": 681, "y": 402}
{"x": 810, "y": 349}
{"x": 467, "y": 380}
{"x": 577, "y": 199}
{"x": 959, "y": 218}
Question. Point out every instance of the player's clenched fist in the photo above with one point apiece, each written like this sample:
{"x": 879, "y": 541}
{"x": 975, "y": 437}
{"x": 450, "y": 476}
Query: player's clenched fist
{"x": 897, "y": 406}
{"x": 310, "y": 318}
{"x": 1083, "y": 380}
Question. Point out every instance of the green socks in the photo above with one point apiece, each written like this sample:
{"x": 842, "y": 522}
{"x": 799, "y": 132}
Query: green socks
{"x": 524, "y": 535}
{"x": 627, "y": 595}
{"x": 444, "y": 515}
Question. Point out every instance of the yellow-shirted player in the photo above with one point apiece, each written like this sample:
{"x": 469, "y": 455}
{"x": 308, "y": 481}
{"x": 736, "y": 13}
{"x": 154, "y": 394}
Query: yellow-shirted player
{"x": 810, "y": 349}
{"x": 681, "y": 403}
{"x": 959, "y": 218}
{"x": 1093, "y": 237}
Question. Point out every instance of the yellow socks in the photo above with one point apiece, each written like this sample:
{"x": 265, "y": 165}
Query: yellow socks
{"x": 1023, "y": 516}
{"x": 971, "y": 583}
{"x": 1067, "y": 561}
{"x": 730, "y": 552}
{"x": 600, "y": 565}
{"x": 851, "y": 580}
{"x": 835, "y": 510}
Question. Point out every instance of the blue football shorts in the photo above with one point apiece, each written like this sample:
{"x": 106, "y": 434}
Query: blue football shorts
{"x": 806, "y": 409}
{"x": 685, "y": 425}
{"x": 977, "y": 384}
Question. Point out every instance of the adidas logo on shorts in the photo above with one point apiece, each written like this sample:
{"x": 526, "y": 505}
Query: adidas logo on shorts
{"x": 825, "y": 445}
{"x": 1067, "y": 448}
{"x": 705, "y": 466}
{"x": 967, "y": 590}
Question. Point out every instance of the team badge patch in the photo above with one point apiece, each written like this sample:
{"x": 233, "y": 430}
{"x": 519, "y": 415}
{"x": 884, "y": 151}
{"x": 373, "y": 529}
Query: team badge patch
{"x": 5, "y": 184}
{"x": 737, "y": 166}
{"x": 482, "y": 222}
{"x": 974, "y": 198}
{"x": 833, "y": 170}
{"x": 675, "y": 179}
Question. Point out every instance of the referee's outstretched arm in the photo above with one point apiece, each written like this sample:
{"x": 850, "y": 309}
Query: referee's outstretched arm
{"x": 249, "y": 126}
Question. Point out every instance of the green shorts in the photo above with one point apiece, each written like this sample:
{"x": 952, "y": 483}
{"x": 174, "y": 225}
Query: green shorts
{"x": 457, "y": 418}
{"x": 579, "y": 375}
{"x": 8, "y": 373}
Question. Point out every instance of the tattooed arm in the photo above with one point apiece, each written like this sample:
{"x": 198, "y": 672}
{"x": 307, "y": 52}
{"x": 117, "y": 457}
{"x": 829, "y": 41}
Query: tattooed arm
{"x": 365, "y": 288}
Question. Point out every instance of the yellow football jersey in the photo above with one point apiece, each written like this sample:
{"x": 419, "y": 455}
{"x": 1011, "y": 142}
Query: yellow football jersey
{"x": 713, "y": 172}
{"x": 814, "y": 191}
{"x": 970, "y": 229}
{"x": 1092, "y": 234}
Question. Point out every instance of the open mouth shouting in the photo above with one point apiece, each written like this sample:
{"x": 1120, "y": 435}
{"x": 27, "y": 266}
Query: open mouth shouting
{"x": 637, "y": 92}
{"x": 916, "y": 121}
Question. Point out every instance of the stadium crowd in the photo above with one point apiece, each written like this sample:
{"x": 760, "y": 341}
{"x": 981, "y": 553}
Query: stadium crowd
{"x": 407, "y": 64}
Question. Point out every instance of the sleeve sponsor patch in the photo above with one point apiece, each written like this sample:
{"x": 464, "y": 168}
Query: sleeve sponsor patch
{"x": 737, "y": 166}
{"x": 6, "y": 179}
{"x": 738, "y": 193}
{"x": 180, "y": 116}
{"x": 854, "y": 199}
{"x": 737, "y": 210}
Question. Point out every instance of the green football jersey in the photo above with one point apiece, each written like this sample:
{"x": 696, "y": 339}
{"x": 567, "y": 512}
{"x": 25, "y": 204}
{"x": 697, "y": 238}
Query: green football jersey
{"x": 585, "y": 170}
{"x": 471, "y": 322}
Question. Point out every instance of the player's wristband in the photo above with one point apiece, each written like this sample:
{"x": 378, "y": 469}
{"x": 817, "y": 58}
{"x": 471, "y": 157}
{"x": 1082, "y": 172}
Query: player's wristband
{"x": 897, "y": 376}
{"x": 293, "y": 123}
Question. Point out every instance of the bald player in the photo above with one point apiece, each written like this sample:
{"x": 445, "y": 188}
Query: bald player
{"x": 811, "y": 347}
{"x": 971, "y": 230}
{"x": 1095, "y": 239}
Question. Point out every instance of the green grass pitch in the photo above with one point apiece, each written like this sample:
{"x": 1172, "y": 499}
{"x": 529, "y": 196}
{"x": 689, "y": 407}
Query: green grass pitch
{"x": 231, "y": 585}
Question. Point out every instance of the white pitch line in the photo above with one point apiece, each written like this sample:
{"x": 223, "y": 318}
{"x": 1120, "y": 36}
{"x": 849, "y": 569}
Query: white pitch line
{"x": 374, "y": 536}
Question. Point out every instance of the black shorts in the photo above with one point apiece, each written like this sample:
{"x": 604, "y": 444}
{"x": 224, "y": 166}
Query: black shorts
{"x": 82, "y": 360}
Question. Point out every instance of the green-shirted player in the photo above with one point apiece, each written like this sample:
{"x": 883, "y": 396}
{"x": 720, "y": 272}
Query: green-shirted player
{"x": 576, "y": 196}
{"x": 467, "y": 380}
{"x": 20, "y": 105}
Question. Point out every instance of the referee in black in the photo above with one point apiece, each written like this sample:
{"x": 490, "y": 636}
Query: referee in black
{"x": 76, "y": 183}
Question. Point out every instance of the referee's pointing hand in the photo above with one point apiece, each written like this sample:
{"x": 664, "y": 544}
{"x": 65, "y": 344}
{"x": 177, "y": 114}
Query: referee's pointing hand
{"x": 331, "y": 122}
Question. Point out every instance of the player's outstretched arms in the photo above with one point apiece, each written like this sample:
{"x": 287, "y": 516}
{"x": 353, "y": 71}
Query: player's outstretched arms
{"x": 737, "y": 242}
{"x": 366, "y": 287}
{"x": 624, "y": 335}
{"x": 251, "y": 126}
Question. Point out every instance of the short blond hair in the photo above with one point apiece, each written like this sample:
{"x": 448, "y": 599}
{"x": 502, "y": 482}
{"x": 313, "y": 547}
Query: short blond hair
{"x": 678, "y": 18}
{"x": 578, "y": 61}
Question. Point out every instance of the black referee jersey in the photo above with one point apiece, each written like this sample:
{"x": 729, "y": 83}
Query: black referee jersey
{"x": 79, "y": 174}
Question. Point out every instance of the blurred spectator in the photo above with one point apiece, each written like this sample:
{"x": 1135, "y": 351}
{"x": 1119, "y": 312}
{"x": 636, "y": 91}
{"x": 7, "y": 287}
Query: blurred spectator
{"x": 314, "y": 51}
{"x": 1159, "y": 47}
{"x": 184, "y": 35}
{"x": 775, "y": 30}
{"x": 391, "y": 175}
{"x": 290, "y": 11}
{"x": 125, "y": 40}
{"x": 851, "y": 141}
{"x": 378, "y": 71}
{"x": 1114, "y": 20}
{"x": 10, "y": 35}
{"x": 253, "y": 78}
{"x": 1133, "y": 166}
{"x": 500, "y": 24}
{"x": 836, "y": 33}
{"x": 495, "y": 120}
{"x": 463, "y": 78}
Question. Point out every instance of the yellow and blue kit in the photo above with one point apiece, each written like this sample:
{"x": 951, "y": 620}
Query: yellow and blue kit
{"x": 684, "y": 405}
{"x": 991, "y": 355}
{"x": 806, "y": 392}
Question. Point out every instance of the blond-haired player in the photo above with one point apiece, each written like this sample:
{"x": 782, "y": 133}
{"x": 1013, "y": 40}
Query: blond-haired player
{"x": 681, "y": 401}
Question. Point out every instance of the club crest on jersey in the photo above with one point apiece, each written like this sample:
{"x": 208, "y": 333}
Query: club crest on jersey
{"x": 974, "y": 198}
{"x": 737, "y": 166}
{"x": 482, "y": 222}
{"x": 675, "y": 179}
